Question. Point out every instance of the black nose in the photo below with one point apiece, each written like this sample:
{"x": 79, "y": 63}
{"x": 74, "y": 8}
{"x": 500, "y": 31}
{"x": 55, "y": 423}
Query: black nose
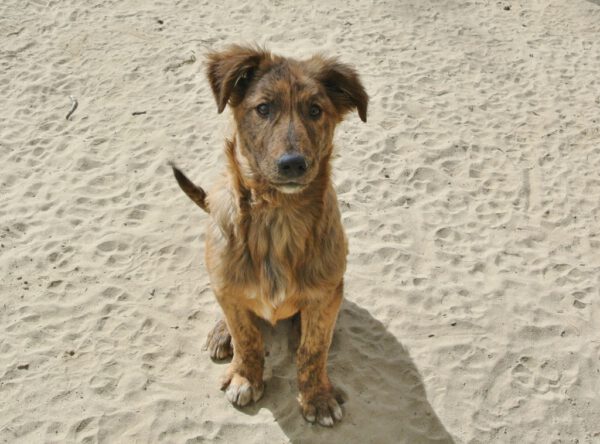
{"x": 291, "y": 165}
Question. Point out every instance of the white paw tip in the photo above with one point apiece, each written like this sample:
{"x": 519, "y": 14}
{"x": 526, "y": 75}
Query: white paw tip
{"x": 326, "y": 421}
{"x": 337, "y": 412}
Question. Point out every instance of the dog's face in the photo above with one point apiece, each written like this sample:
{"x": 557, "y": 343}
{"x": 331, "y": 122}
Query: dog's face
{"x": 285, "y": 110}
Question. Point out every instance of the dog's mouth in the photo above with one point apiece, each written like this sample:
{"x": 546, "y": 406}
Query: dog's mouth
{"x": 289, "y": 187}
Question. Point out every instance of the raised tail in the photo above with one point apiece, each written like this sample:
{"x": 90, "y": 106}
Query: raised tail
{"x": 197, "y": 194}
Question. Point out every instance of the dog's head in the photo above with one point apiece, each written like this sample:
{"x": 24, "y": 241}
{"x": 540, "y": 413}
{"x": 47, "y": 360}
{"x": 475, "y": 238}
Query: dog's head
{"x": 285, "y": 110}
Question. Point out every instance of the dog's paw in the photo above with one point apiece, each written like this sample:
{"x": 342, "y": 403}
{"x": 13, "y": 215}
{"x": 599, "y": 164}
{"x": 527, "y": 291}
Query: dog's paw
{"x": 240, "y": 391}
{"x": 323, "y": 408}
{"x": 218, "y": 342}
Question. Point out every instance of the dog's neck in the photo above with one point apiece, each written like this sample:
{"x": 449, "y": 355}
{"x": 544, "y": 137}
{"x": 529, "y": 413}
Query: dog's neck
{"x": 257, "y": 192}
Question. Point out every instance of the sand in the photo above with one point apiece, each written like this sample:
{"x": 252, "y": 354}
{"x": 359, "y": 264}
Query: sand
{"x": 471, "y": 199}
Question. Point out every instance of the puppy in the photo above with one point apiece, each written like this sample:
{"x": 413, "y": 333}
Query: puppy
{"x": 275, "y": 246}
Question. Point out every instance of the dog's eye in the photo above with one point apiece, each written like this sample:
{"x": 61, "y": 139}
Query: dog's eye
{"x": 314, "y": 111}
{"x": 263, "y": 109}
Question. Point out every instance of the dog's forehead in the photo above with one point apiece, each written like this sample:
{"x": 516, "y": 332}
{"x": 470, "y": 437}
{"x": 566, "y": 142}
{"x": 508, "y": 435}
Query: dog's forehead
{"x": 287, "y": 75}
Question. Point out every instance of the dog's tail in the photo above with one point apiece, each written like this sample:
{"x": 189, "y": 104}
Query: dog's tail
{"x": 197, "y": 194}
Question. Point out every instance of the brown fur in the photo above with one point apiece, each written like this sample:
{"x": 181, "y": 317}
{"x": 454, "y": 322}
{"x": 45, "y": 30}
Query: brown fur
{"x": 195, "y": 193}
{"x": 271, "y": 254}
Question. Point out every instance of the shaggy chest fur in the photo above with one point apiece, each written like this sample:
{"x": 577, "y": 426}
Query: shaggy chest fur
{"x": 276, "y": 253}
{"x": 277, "y": 244}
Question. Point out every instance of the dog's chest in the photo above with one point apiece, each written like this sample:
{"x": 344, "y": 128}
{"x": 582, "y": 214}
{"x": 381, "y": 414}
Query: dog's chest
{"x": 277, "y": 247}
{"x": 271, "y": 309}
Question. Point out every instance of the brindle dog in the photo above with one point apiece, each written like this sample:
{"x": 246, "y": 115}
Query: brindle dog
{"x": 275, "y": 246}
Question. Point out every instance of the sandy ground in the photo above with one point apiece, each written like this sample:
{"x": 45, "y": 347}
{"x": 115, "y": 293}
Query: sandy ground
{"x": 471, "y": 199}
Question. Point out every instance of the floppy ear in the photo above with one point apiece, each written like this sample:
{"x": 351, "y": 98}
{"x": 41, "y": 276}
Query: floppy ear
{"x": 230, "y": 72}
{"x": 343, "y": 86}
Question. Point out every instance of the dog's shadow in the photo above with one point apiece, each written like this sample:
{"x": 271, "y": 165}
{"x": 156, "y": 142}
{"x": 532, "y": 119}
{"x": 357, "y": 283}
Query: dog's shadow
{"x": 385, "y": 397}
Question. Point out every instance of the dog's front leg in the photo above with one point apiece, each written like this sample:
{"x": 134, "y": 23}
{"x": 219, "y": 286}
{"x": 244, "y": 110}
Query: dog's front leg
{"x": 317, "y": 397}
{"x": 243, "y": 381}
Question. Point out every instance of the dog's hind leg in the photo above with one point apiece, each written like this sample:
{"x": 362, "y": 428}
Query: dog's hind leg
{"x": 218, "y": 342}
